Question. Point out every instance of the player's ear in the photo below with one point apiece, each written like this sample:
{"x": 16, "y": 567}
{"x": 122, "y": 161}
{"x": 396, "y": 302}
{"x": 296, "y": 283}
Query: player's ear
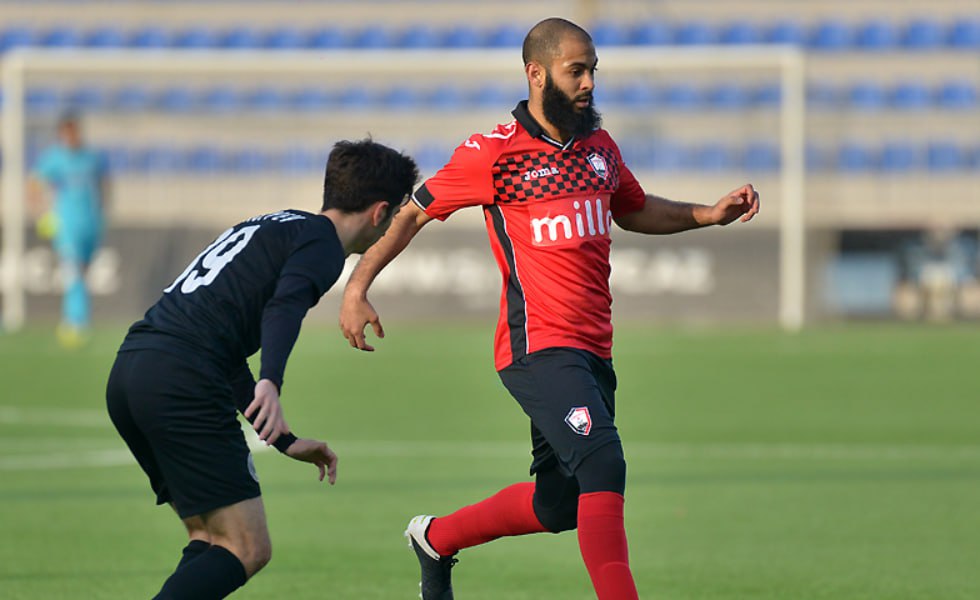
{"x": 379, "y": 212}
{"x": 535, "y": 74}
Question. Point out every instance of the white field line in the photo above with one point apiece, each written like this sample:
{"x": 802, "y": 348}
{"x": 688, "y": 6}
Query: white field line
{"x": 61, "y": 417}
{"x": 97, "y": 458}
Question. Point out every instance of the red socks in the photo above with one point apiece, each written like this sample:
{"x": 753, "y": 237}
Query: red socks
{"x": 508, "y": 512}
{"x": 602, "y": 540}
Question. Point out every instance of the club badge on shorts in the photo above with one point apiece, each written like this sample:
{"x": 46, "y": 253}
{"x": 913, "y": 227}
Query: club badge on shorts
{"x": 579, "y": 420}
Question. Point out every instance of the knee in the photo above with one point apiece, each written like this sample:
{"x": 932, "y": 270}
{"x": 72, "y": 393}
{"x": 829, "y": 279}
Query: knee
{"x": 603, "y": 471}
{"x": 254, "y": 553}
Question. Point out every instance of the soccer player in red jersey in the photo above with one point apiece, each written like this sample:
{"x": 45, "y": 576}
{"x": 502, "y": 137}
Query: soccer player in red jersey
{"x": 551, "y": 184}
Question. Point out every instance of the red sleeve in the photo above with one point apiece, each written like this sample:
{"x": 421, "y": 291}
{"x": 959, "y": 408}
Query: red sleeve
{"x": 629, "y": 197}
{"x": 466, "y": 180}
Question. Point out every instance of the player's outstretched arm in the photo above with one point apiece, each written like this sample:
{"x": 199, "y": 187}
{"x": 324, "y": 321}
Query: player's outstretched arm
{"x": 356, "y": 311}
{"x": 663, "y": 216}
{"x": 318, "y": 453}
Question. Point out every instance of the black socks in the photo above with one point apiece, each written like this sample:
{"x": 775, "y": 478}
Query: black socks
{"x": 214, "y": 574}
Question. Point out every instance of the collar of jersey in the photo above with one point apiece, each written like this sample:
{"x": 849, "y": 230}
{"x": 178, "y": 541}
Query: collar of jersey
{"x": 523, "y": 116}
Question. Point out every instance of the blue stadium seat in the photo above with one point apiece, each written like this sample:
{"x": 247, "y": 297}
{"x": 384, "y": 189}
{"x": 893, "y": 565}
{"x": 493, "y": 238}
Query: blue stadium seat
{"x": 817, "y": 158}
{"x": 911, "y": 95}
{"x": 285, "y": 38}
{"x": 402, "y": 97}
{"x": 118, "y": 158}
{"x": 105, "y": 37}
{"x": 682, "y": 97}
{"x": 867, "y": 96}
{"x": 494, "y": 96}
{"x": 760, "y": 157}
{"x": 741, "y": 32}
{"x": 431, "y": 157}
{"x": 61, "y": 37}
{"x": 694, "y": 33}
{"x": 241, "y": 38}
{"x": 768, "y": 94}
{"x": 266, "y": 99}
{"x": 854, "y": 158}
{"x": 965, "y": 34}
{"x": 88, "y": 98}
{"x": 652, "y": 33}
{"x": 203, "y": 159}
{"x": 175, "y": 99}
{"x": 610, "y": 33}
{"x": 373, "y": 37}
{"x": 958, "y": 95}
{"x": 728, "y": 96}
{"x": 463, "y": 36}
{"x": 157, "y": 160}
{"x": 250, "y": 160}
{"x": 196, "y": 38}
{"x": 714, "y": 157}
{"x": 419, "y": 36}
{"x": 635, "y": 94}
{"x": 327, "y": 38}
{"x": 665, "y": 155}
{"x": 831, "y": 36}
{"x": 309, "y": 99}
{"x": 150, "y": 37}
{"x": 822, "y": 95}
{"x": 42, "y": 100}
{"x": 946, "y": 156}
{"x": 299, "y": 160}
{"x": 131, "y": 98}
{"x": 445, "y": 98}
{"x": 17, "y": 37}
{"x": 506, "y": 36}
{"x": 355, "y": 98}
{"x": 786, "y": 32}
{"x": 898, "y": 157}
{"x": 220, "y": 99}
{"x": 877, "y": 35}
{"x": 923, "y": 34}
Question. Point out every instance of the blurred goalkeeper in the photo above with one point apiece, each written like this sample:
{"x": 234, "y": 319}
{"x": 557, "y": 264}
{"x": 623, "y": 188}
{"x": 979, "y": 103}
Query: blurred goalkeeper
{"x": 77, "y": 176}
{"x": 181, "y": 374}
{"x": 551, "y": 184}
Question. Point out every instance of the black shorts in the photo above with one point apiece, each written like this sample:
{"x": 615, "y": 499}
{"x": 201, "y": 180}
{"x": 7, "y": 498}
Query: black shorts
{"x": 179, "y": 419}
{"x": 570, "y": 396}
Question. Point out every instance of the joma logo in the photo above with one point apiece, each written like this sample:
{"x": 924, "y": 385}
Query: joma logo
{"x": 536, "y": 173}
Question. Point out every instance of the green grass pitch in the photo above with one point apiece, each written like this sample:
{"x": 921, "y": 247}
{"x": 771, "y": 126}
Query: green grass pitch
{"x": 834, "y": 464}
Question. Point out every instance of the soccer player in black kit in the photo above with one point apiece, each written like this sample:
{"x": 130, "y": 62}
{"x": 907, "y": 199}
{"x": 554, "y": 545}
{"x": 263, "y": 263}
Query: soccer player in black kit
{"x": 181, "y": 373}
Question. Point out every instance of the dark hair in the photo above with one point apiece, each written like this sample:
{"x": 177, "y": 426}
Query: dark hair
{"x": 542, "y": 41}
{"x": 360, "y": 173}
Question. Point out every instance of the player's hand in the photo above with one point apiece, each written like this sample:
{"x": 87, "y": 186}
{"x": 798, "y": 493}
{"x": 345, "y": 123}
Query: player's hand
{"x": 355, "y": 314}
{"x": 318, "y": 453}
{"x": 269, "y": 422}
{"x": 741, "y": 204}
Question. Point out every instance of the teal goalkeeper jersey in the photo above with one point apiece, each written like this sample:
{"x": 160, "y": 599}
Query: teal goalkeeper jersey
{"x": 75, "y": 176}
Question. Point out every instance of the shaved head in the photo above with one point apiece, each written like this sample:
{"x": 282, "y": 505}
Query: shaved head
{"x": 542, "y": 43}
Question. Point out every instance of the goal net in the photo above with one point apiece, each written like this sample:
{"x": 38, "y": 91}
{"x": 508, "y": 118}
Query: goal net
{"x": 197, "y": 140}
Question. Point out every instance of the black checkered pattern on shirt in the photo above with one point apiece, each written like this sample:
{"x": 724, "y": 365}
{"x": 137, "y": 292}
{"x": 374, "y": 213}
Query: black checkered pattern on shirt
{"x": 575, "y": 175}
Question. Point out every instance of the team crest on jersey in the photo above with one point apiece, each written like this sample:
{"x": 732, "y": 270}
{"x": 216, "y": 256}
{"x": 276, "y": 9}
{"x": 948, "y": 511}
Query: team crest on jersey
{"x": 579, "y": 420}
{"x": 598, "y": 165}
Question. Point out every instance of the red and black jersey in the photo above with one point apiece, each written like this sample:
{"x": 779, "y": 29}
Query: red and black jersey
{"x": 548, "y": 208}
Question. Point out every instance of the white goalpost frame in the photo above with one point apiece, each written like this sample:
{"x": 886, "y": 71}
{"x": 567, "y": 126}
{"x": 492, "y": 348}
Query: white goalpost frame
{"x": 17, "y": 64}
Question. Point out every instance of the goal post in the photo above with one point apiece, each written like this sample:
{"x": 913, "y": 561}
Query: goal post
{"x": 19, "y": 64}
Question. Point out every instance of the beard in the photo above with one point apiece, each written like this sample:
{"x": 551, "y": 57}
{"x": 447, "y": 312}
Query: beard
{"x": 560, "y": 110}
